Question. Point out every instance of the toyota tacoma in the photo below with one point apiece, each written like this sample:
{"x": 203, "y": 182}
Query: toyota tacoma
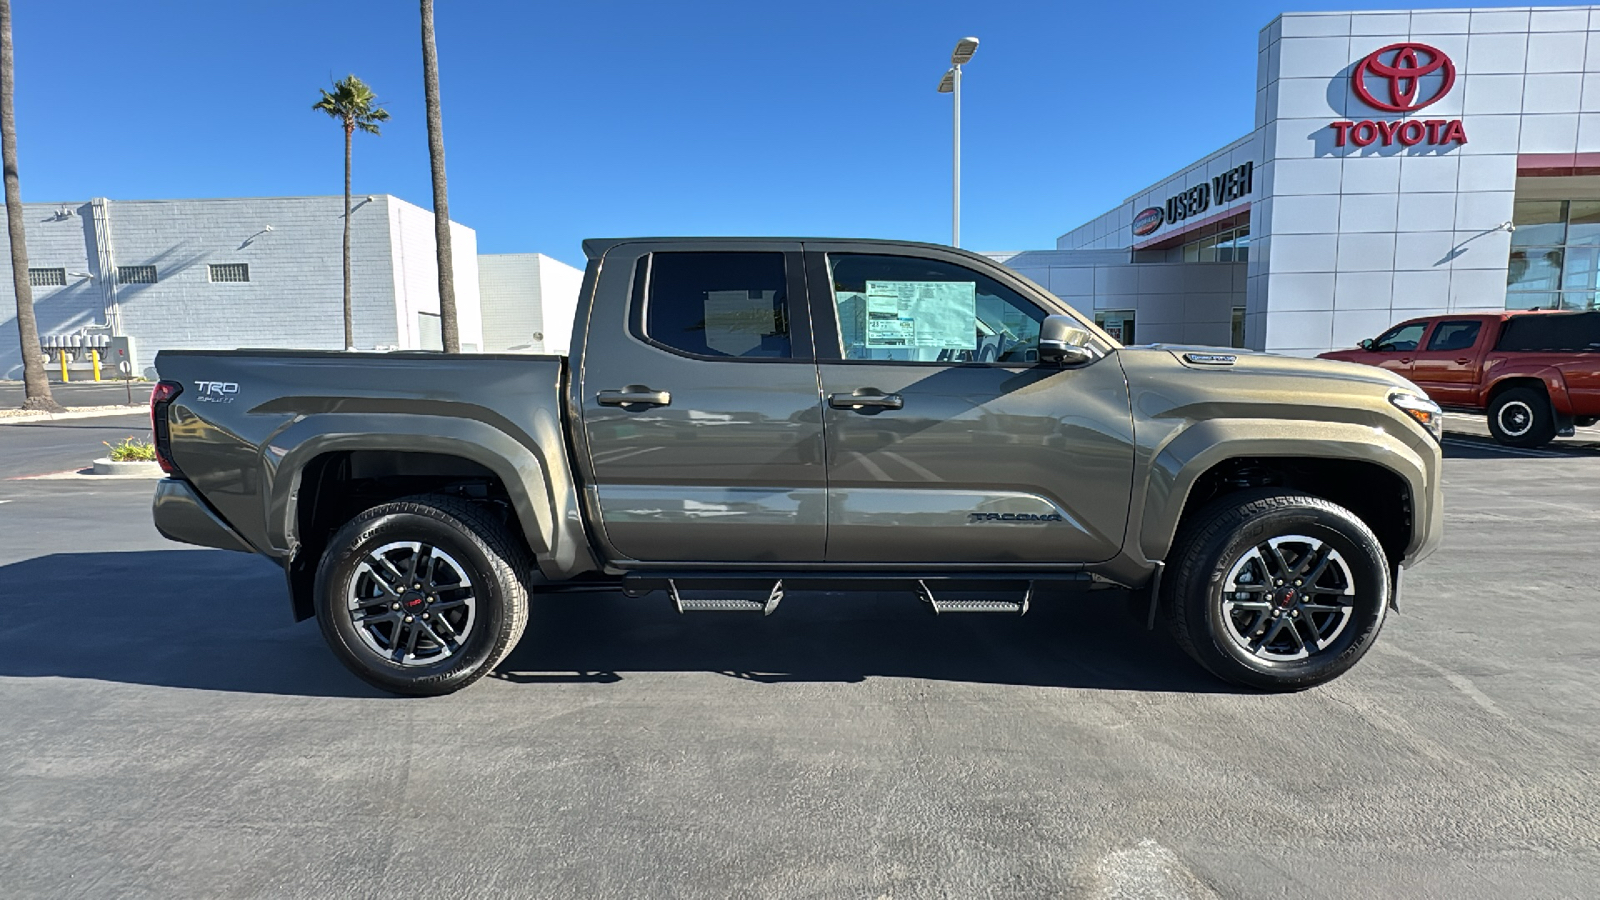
{"x": 738, "y": 418}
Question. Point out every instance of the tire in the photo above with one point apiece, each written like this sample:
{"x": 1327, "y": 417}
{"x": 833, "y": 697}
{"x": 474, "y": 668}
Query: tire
{"x": 1225, "y": 612}
{"x": 1522, "y": 417}
{"x": 468, "y": 614}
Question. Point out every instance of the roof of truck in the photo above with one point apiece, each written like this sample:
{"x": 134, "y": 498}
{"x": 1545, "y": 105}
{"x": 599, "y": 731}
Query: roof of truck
{"x": 597, "y": 247}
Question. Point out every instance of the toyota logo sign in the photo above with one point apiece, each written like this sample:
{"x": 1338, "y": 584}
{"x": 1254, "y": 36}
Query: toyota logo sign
{"x": 1401, "y": 68}
{"x": 1147, "y": 221}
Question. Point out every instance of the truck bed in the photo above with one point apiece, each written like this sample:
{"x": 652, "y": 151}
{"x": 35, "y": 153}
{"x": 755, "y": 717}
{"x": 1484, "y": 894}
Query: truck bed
{"x": 243, "y": 414}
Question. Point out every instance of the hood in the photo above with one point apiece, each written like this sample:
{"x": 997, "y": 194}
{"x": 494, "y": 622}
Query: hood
{"x": 1254, "y": 362}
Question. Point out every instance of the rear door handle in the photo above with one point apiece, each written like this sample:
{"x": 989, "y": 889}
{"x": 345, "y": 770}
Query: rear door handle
{"x": 1463, "y": 361}
{"x": 865, "y": 398}
{"x": 1405, "y": 360}
{"x": 634, "y": 395}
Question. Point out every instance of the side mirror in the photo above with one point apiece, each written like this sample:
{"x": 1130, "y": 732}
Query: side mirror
{"x": 1366, "y": 344}
{"x": 1061, "y": 341}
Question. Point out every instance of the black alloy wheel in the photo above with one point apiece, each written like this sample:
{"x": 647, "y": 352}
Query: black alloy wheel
{"x": 423, "y": 596}
{"x": 1276, "y": 590}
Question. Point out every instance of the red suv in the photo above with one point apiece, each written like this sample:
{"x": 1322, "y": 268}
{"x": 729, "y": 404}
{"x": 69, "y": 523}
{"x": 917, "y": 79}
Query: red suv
{"x": 1536, "y": 374}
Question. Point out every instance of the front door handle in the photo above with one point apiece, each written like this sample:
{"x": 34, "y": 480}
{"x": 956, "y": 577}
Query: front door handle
{"x": 633, "y": 395}
{"x": 1463, "y": 361}
{"x": 865, "y": 398}
{"x": 1405, "y": 360}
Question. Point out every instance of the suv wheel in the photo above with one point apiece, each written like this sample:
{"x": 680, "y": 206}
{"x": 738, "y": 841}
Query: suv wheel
{"x": 423, "y": 596}
{"x": 1276, "y": 590}
{"x": 1521, "y": 417}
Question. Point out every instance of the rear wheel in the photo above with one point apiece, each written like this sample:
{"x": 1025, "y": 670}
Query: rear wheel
{"x": 1522, "y": 417}
{"x": 423, "y": 596}
{"x": 1276, "y": 590}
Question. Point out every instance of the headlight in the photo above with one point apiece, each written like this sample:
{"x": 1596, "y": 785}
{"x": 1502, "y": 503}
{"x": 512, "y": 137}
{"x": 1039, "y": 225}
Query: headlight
{"x": 1425, "y": 411}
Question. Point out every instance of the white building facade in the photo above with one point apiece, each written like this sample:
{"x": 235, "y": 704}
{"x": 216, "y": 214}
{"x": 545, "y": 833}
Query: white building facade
{"x": 529, "y": 300}
{"x": 227, "y": 273}
{"x": 1402, "y": 163}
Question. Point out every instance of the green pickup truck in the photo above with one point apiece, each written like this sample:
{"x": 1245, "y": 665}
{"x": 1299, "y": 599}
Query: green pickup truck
{"x": 741, "y": 417}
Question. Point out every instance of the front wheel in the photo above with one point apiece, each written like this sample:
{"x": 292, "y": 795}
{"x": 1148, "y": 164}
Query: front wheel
{"x": 423, "y": 596}
{"x": 1276, "y": 590}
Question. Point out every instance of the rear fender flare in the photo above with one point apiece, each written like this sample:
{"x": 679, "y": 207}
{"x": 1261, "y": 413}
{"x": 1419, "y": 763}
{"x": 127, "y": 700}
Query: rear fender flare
{"x": 1201, "y": 446}
{"x": 1555, "y": 386}
{"x": 286, "y": 455}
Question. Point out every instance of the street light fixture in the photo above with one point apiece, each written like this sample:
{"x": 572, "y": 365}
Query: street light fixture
{"x": 951, "y": 84}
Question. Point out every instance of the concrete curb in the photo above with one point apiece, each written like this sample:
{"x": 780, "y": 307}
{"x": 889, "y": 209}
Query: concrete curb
{"x": 131, "y": 467}
{"x": 84, "y": 414}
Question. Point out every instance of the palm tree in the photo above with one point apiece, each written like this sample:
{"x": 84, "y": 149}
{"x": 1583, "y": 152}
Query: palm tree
{"x": 449, "y": 330}
{"x": 36, "y": 390}
{"x": 354, "y": 105}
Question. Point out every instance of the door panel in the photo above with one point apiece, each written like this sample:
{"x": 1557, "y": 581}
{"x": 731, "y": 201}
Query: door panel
{"x": 730, "y": 467}
{"x": 947, "y": 443}
{"x": 981, "y": 464}
{"x": 1448, "y": 367}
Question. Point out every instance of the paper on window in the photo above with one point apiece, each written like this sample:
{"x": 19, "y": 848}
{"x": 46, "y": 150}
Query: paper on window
{"x": 934, "y": 314}
{"x": 736, "y": 321}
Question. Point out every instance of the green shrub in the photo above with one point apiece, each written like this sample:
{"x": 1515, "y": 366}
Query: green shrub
{"x": 132, "y": 449}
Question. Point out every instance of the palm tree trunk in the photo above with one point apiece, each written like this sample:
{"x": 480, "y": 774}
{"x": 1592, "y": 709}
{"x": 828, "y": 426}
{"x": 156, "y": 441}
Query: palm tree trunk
{"x": 349, "y": 313}
{"x": 449, "y": 328}
{"x": 36, "y": 390}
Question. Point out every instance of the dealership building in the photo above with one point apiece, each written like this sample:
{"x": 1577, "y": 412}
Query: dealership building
{"x": 1402, "y": 163}
{"x": 129, "y": 278}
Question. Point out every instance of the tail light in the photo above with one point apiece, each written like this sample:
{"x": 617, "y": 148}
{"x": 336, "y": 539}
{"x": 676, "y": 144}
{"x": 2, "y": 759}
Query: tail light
{"x": 160, "y": 398}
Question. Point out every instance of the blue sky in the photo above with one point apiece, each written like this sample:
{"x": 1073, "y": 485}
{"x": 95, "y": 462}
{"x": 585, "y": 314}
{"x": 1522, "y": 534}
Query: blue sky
{"x": 571, "y": 120}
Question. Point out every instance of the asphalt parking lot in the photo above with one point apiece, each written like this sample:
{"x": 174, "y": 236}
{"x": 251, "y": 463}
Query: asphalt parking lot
{"x": 168, "y": 732}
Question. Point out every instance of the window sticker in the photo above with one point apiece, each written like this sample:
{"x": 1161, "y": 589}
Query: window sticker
{"x": 939, "y": 315}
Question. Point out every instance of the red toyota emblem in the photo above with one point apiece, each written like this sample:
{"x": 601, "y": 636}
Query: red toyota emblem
{"x": 1403, "y": 66}
{"x": 414, "y": 601}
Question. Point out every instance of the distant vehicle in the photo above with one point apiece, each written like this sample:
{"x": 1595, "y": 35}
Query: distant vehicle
{"x": 1535, "y": 374}
{"x": 755, "y": 416}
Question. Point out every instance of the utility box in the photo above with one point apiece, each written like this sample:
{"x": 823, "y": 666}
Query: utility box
{"x": 121, "y": 351}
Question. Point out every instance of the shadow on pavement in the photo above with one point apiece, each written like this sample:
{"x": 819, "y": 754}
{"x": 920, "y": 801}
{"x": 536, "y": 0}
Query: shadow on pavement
{"x": 214, "y": 620}
{"x": 1464, "y": 446}
{"x": 205, "y": 619}
{"x": 1083, "y": 640}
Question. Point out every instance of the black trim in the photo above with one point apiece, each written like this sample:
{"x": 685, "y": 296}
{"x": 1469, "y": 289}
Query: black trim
{"x": 636, "y": 583}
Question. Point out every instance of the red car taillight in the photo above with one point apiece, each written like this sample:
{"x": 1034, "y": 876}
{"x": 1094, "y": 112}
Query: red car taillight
{"x": 160, "y": 398}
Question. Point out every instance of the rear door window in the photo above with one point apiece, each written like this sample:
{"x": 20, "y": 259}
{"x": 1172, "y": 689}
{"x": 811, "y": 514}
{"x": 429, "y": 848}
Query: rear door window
{"x": 1455, "y": 335}
{"x": 715, "y": 304}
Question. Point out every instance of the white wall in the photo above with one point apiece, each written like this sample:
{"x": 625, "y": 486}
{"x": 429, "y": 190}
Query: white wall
{"x": 294, "y": 298}
{"x": 415, "y": 264}
{"x": 529, "y": 300}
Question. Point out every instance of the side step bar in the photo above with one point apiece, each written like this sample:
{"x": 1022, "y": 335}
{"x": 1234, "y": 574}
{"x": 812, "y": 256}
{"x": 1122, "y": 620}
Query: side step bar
{"x": 725, "y": 604}
{"x": 1015, "y": 607}
{"x": 674, "y": 584}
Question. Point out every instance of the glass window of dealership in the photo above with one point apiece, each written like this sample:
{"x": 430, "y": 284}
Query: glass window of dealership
{"x": 1403, "y": 163}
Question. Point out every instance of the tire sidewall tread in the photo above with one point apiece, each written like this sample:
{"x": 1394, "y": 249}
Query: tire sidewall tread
{"x": 1201, "y": 559}
{"x": 503, "y": 566}
{"x": 1543, "y": 429}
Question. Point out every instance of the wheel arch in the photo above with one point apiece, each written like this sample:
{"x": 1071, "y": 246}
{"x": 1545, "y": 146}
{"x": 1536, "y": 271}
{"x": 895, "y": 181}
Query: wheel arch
{"x": 322, "y": 457}
{"x": 1547, "y": 381}
{"x": 1339, "y": 462}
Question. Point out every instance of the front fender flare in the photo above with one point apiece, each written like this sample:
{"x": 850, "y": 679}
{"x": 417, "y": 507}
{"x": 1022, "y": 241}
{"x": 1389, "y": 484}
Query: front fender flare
{"x": 1196, "y": 449}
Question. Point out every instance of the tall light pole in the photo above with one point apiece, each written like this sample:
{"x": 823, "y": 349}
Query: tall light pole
{"x": 951, "y": 84}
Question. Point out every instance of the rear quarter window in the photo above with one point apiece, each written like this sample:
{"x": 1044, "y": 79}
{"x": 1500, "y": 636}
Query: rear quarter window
{"x": 1551, "y": 333}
